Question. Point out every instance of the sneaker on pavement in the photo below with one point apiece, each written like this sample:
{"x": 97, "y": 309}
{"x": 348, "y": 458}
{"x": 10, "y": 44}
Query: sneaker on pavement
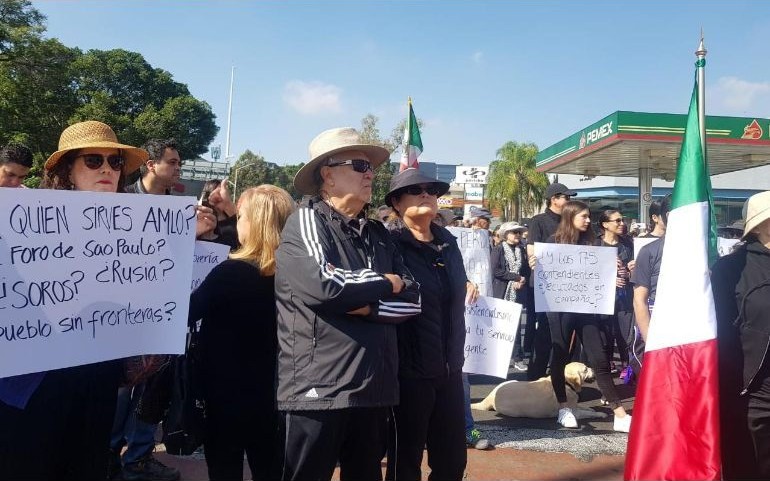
{"x": 622, "y": 424}
{"x": 149, "y": 469}
{"x": 567, "y": 418}
{"x": 474, "y": 440}
{"x": 519, "y": 366}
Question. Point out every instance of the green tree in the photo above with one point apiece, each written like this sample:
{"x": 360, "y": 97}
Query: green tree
{"x": 370, "y": 133}
{"x": 514, "y": 185}
{"x": 185, "y": 118}
{"x": 20, "y": 26}
{"x": 285, "y": 179}
{"x": 251, "y": 170}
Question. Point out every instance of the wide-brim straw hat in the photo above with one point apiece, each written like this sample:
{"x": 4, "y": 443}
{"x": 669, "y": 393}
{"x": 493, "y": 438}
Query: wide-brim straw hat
{"x": 511, "y": 226}
{"x": 409, "y": 177}
{"x": 93, "y": 134}
{"x": 328, "y": 143}
{"x": 757, "y": 211}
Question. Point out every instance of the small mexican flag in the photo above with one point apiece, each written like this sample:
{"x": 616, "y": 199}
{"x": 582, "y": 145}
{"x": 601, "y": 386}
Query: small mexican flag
{"x": 675, "y": 431}
{"x": 412, "y": 142}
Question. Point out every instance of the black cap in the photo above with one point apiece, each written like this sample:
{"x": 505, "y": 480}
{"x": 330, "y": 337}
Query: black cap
{"x": 409, "y": 177}
{"x": 556, "y": 189}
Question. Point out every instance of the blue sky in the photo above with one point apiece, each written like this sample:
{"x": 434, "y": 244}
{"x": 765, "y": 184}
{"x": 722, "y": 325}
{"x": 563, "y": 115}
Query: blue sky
{"x": 480, "y": 73}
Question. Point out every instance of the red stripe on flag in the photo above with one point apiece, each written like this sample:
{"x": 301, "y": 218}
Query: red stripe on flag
{"x": 675, "y": 431}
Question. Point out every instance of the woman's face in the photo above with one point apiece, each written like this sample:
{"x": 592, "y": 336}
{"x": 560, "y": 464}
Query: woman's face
{"x": 243, "y": 226}
{"x": 513, "y": 237}
{"x": 422, "y": 202}
{"x": 582, "y": 220}
{"x": 92, "y": 171}
{"x": 614, "y": 224}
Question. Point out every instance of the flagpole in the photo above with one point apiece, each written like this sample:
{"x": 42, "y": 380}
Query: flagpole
{"x": 701, "y": 63}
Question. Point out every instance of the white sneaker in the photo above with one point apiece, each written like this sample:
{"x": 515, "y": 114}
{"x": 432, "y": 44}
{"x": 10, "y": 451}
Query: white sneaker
{"x": 622, "y": 424}
{"x": 567, "y": 418}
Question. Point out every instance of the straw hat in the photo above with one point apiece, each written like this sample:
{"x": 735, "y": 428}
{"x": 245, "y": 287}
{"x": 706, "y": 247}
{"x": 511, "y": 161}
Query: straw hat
{"x": 93, "y": 134}
{"x": 511, "y": 226}
{"x": 757, "y": 211}
{"x": 332, "y": 142}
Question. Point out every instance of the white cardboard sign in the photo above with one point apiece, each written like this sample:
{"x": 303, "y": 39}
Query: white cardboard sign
{"x": 571, "y": 278}
{"x": 491, "y": 326}
{"x": 206, "y": 257}
{"x": 88, "y": 277}
{"x": 474, "y": 246}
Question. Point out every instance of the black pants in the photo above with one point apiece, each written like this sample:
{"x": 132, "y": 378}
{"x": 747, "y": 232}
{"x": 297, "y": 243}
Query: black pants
{"x": 430, "y": 413}
{"x": 231, "y": 431}
{"x": 316, "y": 440}
{"x": 64, "y": 432}
{"x": 590, "y": 333}
{"x": 616, "y": 327}
{"x": 541, "y": 346}
{"x": 759, "y": 427}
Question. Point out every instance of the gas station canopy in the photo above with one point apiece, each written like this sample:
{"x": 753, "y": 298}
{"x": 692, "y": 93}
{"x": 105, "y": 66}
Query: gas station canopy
{"x": 624, "y": 142}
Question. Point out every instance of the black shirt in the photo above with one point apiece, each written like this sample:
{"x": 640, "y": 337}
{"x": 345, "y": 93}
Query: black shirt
{"x": 543, "y": 226}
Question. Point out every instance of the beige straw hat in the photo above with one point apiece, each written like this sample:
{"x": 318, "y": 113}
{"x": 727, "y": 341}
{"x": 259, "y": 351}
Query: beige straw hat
{"x": 757, "y": 211}
{"x": 90, "y": 134}
{"x": 332, "y": 142}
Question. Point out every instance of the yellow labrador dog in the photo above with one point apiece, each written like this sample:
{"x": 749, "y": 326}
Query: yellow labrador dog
{"x": 535, "y": 399}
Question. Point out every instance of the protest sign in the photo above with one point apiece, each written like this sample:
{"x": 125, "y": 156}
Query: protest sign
{"x": 726, "y": 246}
{"x": 474, "y": 247}
{"x": 640, "y": 242}
{"x": 87, "y": 277}
{"x": 572, "y": 278}
{"x": 207, "y": 255}
{"x": 491, "y": 326}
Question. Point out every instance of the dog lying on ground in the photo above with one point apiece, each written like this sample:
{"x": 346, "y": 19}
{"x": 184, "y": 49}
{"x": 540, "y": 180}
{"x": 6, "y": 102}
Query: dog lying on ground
{"x": 536, "y": 399}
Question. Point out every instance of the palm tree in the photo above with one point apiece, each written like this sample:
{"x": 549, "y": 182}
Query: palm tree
{"x": 514, "y": 185}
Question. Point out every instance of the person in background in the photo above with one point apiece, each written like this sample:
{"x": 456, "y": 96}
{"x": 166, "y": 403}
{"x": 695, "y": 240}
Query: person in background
{"x": 431, "y": 345}
{"x": 15, "y": 163}
{"x": 216, "y": 195}
{"x": 56, "y": 424}
{"x": 542, "y": 226}
{"x": 575, "y": 229}
{"x": 741, "y": 285}
{"x": 657, "y": 221}
{"x": 238, "y": 343}
{"x": 510, "y": 272}
{"x": 341, "y": 288}
{"x": 161, "y": 172}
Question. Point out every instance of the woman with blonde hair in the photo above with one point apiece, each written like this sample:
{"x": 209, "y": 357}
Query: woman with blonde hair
{"x": 238, "y": 343}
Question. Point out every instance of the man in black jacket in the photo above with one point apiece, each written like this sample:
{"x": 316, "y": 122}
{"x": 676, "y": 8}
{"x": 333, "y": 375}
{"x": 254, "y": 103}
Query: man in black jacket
{"x": 341, "y": 287}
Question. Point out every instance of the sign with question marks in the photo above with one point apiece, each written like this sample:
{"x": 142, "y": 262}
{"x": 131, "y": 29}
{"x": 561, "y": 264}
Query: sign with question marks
{"x": 88, "y": 277}
{"x": 572, "y": 278}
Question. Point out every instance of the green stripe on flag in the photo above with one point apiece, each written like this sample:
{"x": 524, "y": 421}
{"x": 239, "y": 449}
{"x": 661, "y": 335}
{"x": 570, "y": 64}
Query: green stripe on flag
{"x": 414, "y": 131}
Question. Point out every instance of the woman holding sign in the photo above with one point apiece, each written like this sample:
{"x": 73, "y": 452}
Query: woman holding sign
{"x": 56, "y": 424}
{"x": 575, "y": 228}
{"x": 236, "y": 303}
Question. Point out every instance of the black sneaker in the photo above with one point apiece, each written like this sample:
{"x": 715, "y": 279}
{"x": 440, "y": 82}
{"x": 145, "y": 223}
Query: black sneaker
{"x": 149, "y": 469}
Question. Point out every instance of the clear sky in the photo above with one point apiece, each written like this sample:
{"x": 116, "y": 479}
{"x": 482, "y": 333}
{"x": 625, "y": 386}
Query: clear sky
{"x": 480, "y": 73}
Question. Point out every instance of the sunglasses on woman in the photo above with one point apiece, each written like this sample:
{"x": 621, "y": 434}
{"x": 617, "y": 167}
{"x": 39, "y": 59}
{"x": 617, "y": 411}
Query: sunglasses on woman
{"x": 418, "y": 190}
{"x": 95, "y": 161}
{"x": 617, "y": 221}
{"x": 359, "y": 165}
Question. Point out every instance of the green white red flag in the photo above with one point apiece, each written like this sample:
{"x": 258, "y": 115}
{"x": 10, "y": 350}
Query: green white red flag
{"x": 412, "y": 146}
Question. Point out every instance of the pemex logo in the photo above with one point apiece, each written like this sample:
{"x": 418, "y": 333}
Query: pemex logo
{"x": 583, "y": 140}
{"x": 752, "y": 131}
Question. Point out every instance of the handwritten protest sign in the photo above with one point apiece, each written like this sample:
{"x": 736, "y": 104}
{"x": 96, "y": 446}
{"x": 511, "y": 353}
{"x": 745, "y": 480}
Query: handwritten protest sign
{"x": 640, "y": 242}
{"x": 474, "y": 246}
{"x": 491, "y": 326}
{"x": 87, "y": 277}
{"x": 207, "y": 255}
{"x": 570, "y": 278}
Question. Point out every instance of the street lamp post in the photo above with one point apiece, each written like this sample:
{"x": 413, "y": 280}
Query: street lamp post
{"x": 235, "y": 183}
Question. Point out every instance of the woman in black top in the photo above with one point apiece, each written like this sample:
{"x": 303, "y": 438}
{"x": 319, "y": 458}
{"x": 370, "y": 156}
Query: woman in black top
{"x": 430, "y": 345}
{"x": 236, "y": 303}
{"x": 575, "y": 228}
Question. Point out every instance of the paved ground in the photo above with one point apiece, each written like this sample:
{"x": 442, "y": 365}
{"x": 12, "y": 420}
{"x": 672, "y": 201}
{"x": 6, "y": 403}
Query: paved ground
{"x": 526, "y": 449}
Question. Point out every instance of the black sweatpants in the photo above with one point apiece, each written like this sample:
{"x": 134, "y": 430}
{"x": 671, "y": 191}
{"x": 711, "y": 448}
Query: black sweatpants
{"x": 590, "y": 333}
{"x": 430, "y": 413}
{"x": 541, "y": 346}
{"x": 759, "y": 426}
{"x": 316, "y": 440}
{"x": 64, "y": 431}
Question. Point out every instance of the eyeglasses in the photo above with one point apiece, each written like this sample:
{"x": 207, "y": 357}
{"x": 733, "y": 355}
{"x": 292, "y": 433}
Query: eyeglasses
{"x": 418, "y": 190}
{"x": 359, "y": 165}
{"x": 95, "y": 161}
{"x": 617, "y": 221}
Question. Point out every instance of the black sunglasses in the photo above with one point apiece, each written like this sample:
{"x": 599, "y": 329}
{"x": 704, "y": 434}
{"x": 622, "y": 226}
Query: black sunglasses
{"x": 617, "y": 221}
{"x": 418, "y": 190}
{"x": 95, "y": 161}
{"x": 359, "y": 165}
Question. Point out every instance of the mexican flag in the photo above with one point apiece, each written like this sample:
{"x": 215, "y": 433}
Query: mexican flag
{"x": 412, "y": 142}
{"x": 675, "y": 431}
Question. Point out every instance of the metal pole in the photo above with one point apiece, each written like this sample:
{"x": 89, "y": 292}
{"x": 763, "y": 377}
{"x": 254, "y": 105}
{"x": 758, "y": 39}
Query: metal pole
{"x": 230, "y": 114}
{"x": 701, "y": 54}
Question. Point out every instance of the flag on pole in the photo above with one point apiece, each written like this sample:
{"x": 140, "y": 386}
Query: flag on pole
{"x": 675, "y": 431}
{"x": 412, "y": 147}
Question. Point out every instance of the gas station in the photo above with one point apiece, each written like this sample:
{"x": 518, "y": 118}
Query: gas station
{"x": 607, "y": 155}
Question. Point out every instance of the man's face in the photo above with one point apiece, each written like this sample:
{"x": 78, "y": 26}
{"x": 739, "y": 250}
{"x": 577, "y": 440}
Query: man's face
{"x": 168, "y": 168}
{"x": 12, "y": 174}
{"x": 482, "y": 223}
{"x": 343, "y": 181}
{"x": 558, "y": 201}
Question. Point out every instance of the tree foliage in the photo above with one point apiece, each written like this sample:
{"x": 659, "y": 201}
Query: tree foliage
{"x": 514, "y": 185}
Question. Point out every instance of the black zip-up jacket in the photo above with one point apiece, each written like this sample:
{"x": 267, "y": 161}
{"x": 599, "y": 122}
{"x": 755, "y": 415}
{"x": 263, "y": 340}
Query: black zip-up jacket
{"x": 501, "y": 276}
{"x": 326, "y": 266}
{"x": 741, "y": 286}
{"x": 432, "y": 345}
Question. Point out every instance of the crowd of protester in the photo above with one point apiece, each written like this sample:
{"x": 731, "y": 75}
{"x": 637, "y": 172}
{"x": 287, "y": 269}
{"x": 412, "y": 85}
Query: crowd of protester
{"x": 330, "y": 338}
